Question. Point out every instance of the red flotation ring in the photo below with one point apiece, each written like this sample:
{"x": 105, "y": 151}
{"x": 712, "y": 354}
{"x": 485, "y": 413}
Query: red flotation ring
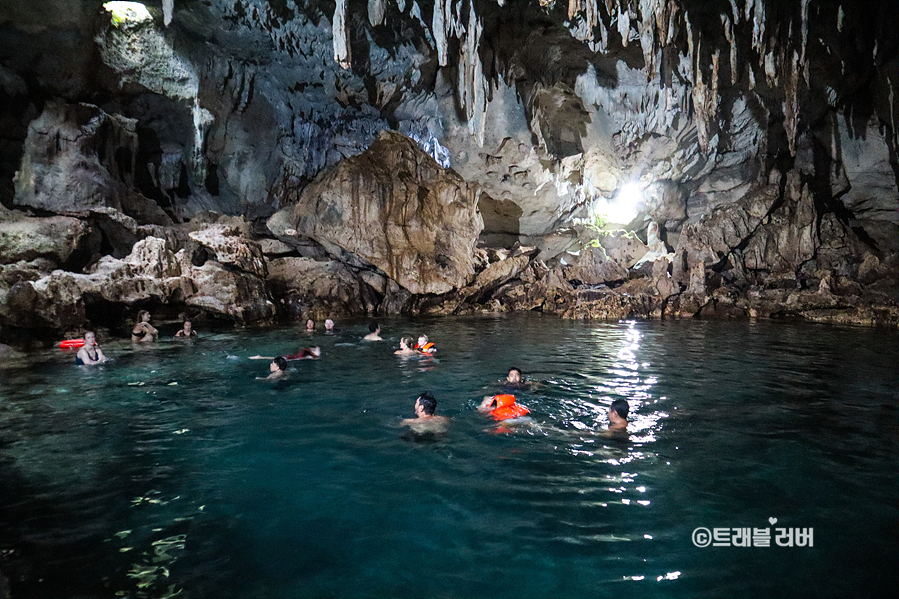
{"x": 71, "y": 343}
{"x": 506, "y": 408}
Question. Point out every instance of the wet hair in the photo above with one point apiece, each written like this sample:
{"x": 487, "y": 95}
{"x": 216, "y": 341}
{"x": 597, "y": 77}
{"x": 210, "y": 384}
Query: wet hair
{"x": 428, "y": 403}
{"x": 187, "y": 321}
{"x": 373, "y": 327}
{"x": 516, "y": 369}
{"x": 423, "y": 336}
{"x": 140, "y": 315}
{"x": 281, "y": 363}
{"x": 621, "y": 407}
{"x": 409, "y": 341}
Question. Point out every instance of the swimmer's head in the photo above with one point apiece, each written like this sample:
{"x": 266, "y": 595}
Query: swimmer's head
{"x": 514, "y": 375}
{"x": 278, "y": 363}
{"x": 90, "y": 339}
{"x": 329, "y": 324}
{"x": 188, "y": 326}
{"x": 422, "y": 340}
{"x": 427, "y": 402}
{"x": 374, "y": 327}
{"x": 620, "y": 407}
{"x": 143, "y": 316}
{"x": 310, "y": 324}
{"x": 406, "y": 343}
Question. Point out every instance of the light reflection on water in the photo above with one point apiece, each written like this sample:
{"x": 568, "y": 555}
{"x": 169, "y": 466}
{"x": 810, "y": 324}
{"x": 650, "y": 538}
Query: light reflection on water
{"x": 172, "y": 470}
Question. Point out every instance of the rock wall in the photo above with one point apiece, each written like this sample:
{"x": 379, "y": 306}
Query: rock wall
{"x": 760, "y": 138}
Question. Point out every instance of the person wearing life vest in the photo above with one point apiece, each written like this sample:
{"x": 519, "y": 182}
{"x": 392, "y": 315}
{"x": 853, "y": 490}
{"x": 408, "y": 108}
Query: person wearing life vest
{"x": 502, "y": 407}
{"x": 424, "y": 346}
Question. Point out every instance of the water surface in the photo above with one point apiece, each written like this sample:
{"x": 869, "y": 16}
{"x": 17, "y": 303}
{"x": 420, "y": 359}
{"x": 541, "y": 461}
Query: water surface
{"x": 172, "y": 471}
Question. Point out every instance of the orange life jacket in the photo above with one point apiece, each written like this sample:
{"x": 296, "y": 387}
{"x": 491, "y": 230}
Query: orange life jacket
{"x": 506, "y": 408}
{"x": 427, "y": 348}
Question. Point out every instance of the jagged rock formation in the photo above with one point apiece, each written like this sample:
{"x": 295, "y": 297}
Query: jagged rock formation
{"x": 762, "y": 136}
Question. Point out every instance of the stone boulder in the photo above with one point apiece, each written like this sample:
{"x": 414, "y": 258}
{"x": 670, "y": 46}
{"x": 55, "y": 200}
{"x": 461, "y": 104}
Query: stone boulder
{"x": 230, "y": 248}
{"x": 314, "y": 289}
{"x": 26, "y": 238}
{"x": 392, "y": 207}
{"x": 594, "y": 267}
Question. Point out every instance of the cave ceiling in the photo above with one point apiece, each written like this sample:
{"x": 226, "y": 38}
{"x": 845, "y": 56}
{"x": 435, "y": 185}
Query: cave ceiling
{"x": 551, "y": 107}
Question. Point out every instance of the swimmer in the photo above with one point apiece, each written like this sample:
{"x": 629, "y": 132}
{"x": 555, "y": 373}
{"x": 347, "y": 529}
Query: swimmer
{"x": 329, "y": 326}
{"x": 618, "y": 415}
{"x": 143, "y": 330}
{"x": 374, "y": 333}
{"x": 514, "y": 380}
{"x": 502, "y": 407}
{"x": 424, "y": 346}
{"x": 425, "y": 421}
{"x": 277, "y": 369}
{"x": 90, "y": 353}
{"x": 406, "y": 347}
{"x": 186, "y": 330}
{"x": 307, "y": 353}
{"x": 310, "y": 326}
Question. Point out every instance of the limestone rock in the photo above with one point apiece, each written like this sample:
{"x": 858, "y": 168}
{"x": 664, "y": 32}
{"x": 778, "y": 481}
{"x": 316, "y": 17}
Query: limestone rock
{"x": 316, "y": 289}
{"x": 393, "y": 208}
{"x": 23, "y": 237}
{"x": 594, "y": 267}
{"x": 229, "y": 248}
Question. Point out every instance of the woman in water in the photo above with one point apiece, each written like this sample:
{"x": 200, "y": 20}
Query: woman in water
{"x": 405, "y": 347}
{"x": 187, "y": 330}
{"x": 90, "y": 353}
{"x": 143, "y": 330}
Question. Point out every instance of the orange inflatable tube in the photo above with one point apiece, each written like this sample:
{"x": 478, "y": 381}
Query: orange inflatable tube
{"x": 506, "y": 408}
{"x": 71, "y": 343}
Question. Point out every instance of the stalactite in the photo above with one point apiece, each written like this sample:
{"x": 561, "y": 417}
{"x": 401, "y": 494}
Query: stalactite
{"x": 438, "y": 30}
{"x": 472, "y": 84}
{"x": 376, "y": 10}
{"x": 791, "y": 100}
{"x": 340, "y": 34}
{"x": 804, "y": 59}
{"x": 624, "y": 26}
{"x": 167, "y": 7}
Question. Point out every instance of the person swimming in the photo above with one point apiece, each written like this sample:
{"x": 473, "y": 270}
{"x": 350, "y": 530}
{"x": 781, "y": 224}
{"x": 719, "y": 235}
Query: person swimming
{"x": 143, "y": 330}
{"x": 502, "y": 407}
{"x": 307, "y": 353}
{"x": 424, "y": 346}
{"x": 425, "y": 420}
{"x": 329, "y": 326}
{"x": 406, "y": 348}
{"x": 90, "y": 353}
{"x": 374, "y": 333}
{"x": 277, "y": 369}
{"x": 514, "y": 380}
{"x": 187, "y": 330}
{"x": 310, "y": 326}
{"x": 618, "y": 412}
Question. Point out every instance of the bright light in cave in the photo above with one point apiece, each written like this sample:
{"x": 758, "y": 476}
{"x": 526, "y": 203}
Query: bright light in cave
{"x": 622, "y": 208}
{"x": 127, "y": 12}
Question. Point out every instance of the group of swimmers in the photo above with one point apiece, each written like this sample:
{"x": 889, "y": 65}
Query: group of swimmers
{"x": 502, "y": 407}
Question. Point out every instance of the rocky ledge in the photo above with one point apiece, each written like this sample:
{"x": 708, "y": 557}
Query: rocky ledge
{"x": 392, "y": 232}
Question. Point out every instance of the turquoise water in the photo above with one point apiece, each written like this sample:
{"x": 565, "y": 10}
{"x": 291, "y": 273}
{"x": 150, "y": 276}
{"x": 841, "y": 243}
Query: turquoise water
{"x": 171, "y": 471}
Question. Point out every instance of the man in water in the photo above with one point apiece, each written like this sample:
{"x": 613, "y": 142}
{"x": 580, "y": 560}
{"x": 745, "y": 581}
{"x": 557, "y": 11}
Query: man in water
{"x": 513, "y": 380}
{"x": 618, "y": 417}
{"x": 425, "y": 421}
{"x": 374, "y": 333}
{"x": 329, "y": 326}
{"x": 277, "y": 369}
